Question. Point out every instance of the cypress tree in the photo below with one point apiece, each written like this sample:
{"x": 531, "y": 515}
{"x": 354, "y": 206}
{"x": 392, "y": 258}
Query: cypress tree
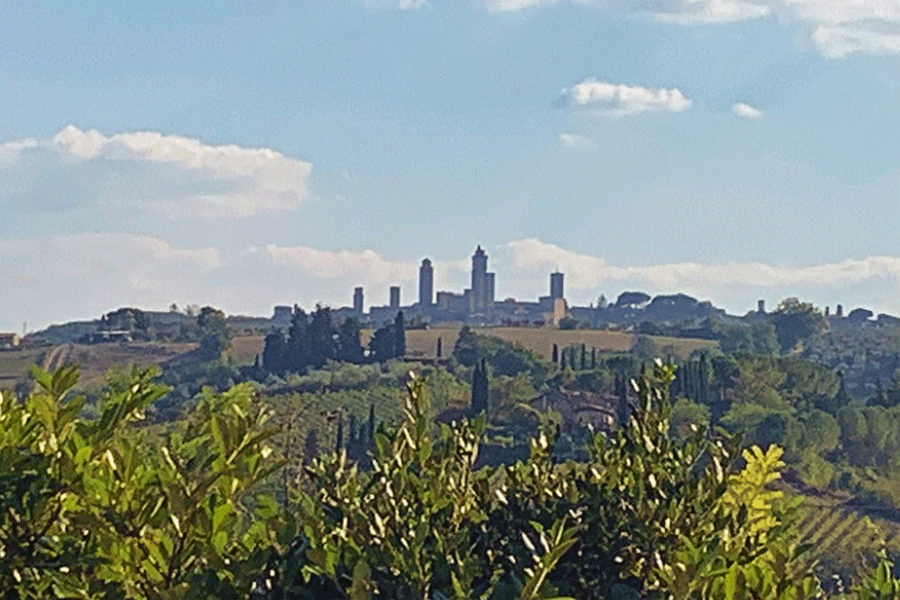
{"x": 479, "y": 388}
{"x": 399, "y": 336}
{"x": 297, "y": 352}
{"x": 593, "y": 358}
{"x": 703, "y": 376}
{"x": 352, "y": 426}
{"x": 339, "y": 438}
{"x": 371, "y": 424}
{"x": 362, "y": 437}
{"x": 562, "y": 360}
{"x": 484, "y": 386}
{"x": 623, "y": 410}
{"x": 440, "y": 350}
{"x": 554, "y": 356}
{"x": 583, "y": 357}
{"x": 273, "y": 355}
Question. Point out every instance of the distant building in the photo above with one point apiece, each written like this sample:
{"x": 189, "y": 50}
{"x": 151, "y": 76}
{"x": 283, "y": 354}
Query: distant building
{"x": 9, "y": 340}
{"x": 395, "y": 296}
{"x": 358, "y": 300}
{"x": 426, "y": 284}
{"x": 556, "y": 285}
{"x": 454, "y": 303}
{"x": 282, "y": 314}
{"x": 761, "y": 306}
{"x": 558, "y": 311}
{"x": 101, "y": 337}
{"x": 482, "y": 283}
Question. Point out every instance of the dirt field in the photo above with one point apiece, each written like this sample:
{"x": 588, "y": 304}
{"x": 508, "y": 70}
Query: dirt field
{"x": 423, "y": 342}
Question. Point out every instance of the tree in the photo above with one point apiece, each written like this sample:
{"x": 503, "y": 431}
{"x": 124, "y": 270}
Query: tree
{"x": 796, "y": 321}
{"x": 275, "y": 353}
{"x": 568, "y": 323}
{"x": 439, "y": 349}
{"x": 298, "y": 350}
{"x": 322, "y": 337}
{"x": 350, "y": 349}
{"x": 465, "y": 350}
{"x": 480, "y": 392}
{"x": 382, "y": 344}
{"x": 399, "y": 336}
{"x": 554, "y": 355}
{"x": 213, "y": 331}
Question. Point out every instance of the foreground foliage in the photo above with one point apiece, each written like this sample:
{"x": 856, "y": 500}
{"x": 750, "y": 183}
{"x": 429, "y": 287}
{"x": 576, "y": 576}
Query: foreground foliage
{"x": 103, "y": 508}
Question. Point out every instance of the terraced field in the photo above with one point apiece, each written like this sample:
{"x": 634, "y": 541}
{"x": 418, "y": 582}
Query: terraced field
{"x": 843, "y": 540}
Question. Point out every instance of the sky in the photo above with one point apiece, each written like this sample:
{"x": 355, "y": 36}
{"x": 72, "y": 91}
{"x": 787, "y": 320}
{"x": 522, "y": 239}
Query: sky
{"x": 248, "y": 154}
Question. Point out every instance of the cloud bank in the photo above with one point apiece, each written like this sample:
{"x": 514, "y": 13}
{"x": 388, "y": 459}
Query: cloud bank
{"x": 175, "y": 175}
{"x": 622, "y": 99}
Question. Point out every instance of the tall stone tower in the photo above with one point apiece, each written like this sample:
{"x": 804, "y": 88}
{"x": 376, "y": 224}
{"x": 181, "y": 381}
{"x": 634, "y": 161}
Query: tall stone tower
{"x": 556, "y": 285}
{"x": 394, "y": 301}
{"x": 358, "y": 300}
{"x": 479, "y": 280}
{"x": 426, "y": 284}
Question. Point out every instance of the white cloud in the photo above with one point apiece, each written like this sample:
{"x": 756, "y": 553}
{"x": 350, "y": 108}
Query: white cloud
{"x": 842, "y": 40}
{"x": 397, "y": 4}
{"x": 176, "y": 175}
{"x": 515, "y": 5}
{"x": 366, "y": 265}
{"x": 689, "y": 12}
{"x": 838, "y": 27}
{"x": 574, "y": 140}
{"x": 746, "y": 111}
{"x": 621, "y": 99}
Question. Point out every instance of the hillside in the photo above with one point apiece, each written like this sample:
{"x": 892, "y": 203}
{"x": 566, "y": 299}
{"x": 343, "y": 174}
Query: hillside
{"x": 94, "y": 360}
{"x": 423, "y": 342}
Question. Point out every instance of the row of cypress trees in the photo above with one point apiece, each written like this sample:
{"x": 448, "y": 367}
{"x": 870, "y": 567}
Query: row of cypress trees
{"x": 575, "y": 357}
{"x": 312, "y": 340}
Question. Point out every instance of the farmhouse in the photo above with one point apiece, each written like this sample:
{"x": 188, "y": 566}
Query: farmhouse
{"x": 100, "y": 337}
{"x": 580, "y": 408}
{"x": 9, "y": 340}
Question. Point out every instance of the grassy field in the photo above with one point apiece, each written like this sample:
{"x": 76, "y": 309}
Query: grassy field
{"x": 423, "y": 342}
{"x": 95, "y": 359}
{"x": 14, "y": 364}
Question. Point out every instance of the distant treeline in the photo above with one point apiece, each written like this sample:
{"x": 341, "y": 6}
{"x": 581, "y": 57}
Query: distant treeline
{"x": 314, "y": 339}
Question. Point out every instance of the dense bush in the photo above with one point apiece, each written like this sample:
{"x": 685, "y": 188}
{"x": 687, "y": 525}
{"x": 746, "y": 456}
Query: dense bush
{"x": 105, "y": 508}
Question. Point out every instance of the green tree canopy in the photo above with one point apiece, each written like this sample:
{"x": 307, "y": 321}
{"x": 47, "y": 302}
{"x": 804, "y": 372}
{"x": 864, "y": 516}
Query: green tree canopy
{"x": 796, "y": 321}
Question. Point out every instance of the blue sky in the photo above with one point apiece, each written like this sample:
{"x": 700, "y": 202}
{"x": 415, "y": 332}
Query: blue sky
{"x": 244, "y": 154}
